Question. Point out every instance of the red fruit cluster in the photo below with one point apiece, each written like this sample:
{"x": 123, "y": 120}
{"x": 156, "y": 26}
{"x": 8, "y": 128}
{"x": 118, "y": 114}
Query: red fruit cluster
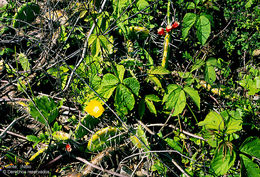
{"x": 160, "y": 31}
{"x": 168, "y": 28}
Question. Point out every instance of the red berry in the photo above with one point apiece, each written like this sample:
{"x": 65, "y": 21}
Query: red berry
{"x": 168, "y": 28}
{"x": 175, "y": 24}
{"x": 68, "y": 148}
{"x": 161, "y": 31}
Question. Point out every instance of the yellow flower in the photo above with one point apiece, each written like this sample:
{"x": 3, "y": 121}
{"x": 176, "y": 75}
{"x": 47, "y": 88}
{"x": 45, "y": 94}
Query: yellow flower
{"x": 94, "y": 108}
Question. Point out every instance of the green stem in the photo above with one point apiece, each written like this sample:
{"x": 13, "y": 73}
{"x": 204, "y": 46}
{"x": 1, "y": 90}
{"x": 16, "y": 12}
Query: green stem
{"x": 192, "y": 113}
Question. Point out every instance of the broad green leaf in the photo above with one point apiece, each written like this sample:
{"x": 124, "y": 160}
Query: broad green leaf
{"x": 222, "y": 161}
{"x": 248, "y": 167}
{"x": 210, "y": 74}
{"x": 190, "y": 5}
{"x": 213, "y": 121}
{"x": 91, "y": 39}
{"x": 108, "y": 85}
{"x": 121, "y": 72}
{"x": 24, "y": 61}
{"x": 109, "y": 79}
{"x": 234, "y": 121}
{"x": 203, "y": 29}
{"x": 26, "y": 13}
{"x": 45, "y": 108}
{"x": 142, "y": 4}
{"x": 151, "y": 106}
{"x": 173, "y": 144}
{"x": 212, "y": 62}
{"x": 153, "y": 97}
{"x": 119, "y": 5}
{"x": 175, "y": 99}
{"x": 141, "y": 135}
{"x": 251, "y": 146}
{"x": 133, "y": 84}
{"x": 159, "y": 70}
{"x": 194, "y": 95}
{"x": 170, "y": 88}
{"x": 188, "y": 21}
{"x": 124, "y": 99}
{"x": 104, "y": 138}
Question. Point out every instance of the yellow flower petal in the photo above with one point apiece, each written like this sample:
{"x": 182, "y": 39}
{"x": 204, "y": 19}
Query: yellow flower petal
{"x": 94, "y": 108}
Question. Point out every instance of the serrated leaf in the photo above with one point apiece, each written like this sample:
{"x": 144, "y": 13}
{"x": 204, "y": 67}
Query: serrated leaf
{"x": 133, "y": 84}
{"x": 142, "y": 4}
{"x": 213, "y": 121}
{"x": 223, "y": 161}
{"x": 45, "y": 108}
{"x": 151, "y": 106}
{"x": 121, "y": 72}
{"x": 194, "y": 95}
{"x": 175, "y": 99}
{"x": 251, "y": 147}
{"x": 188, "y": 21}
{"x": 159, "y": 70}
{"x": 248, "y": 167}
{"x": 124, "y": 99}
{"x": 203, "y": 29}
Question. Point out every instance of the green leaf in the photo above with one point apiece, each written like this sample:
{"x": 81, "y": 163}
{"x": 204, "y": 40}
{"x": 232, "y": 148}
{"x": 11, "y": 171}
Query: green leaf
{"x": 32, "y": 138}
{"x": 26, "y": 13}
{"x": 142, "y": 4}
{"x": 210, "y": 74}
{"x": 141, "y": 135}
{"x": 159, "y": 70}
{"x": 24, "y": 61}
{"x": 148, "y": 57}
{"x": 194, "y": 95}
{"x": 153, "y": 97}
{"x": 155, "y": 80}
{"x": 222, "y": 162}
{"x": 108, "y": 85}
{"x": 45, "y": 108}
{"x": 141, "y": 108}
{"x": 121, "y": 72}
{"x": 197, "y": 65}
{"x": 124, "y": 99}
{"x": 251, "y": 147}
{"x": 213, "y": 121}
{"x": 151, "y": 106}
{"x": 132, "y": 84}
{"x": 175, "y": 99}
{"x": 234, "y": 121}
{"x": 188, "y": 21}
{"x": 203, "y": 29}
{"x": 173, "y": 144}
{"x": 248, "y": 167}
